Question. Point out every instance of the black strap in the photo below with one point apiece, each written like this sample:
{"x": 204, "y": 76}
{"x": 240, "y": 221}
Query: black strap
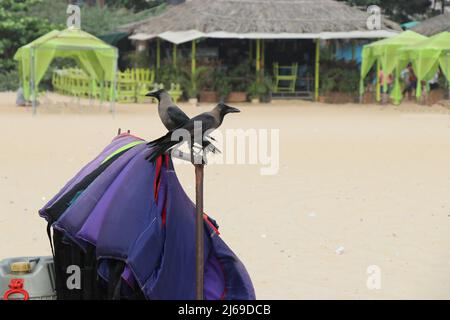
{"x": 49, "y": 235}
{"x": 115, "y": 279}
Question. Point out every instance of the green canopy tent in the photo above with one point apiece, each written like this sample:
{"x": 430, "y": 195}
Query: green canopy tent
{"x": 97, "y": 58}
{"x": 384, "y": 53}
{"x": 426, "y": 57}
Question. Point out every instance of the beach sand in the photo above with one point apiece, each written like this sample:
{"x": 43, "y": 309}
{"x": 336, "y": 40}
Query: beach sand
{"x": 371, "y": 179}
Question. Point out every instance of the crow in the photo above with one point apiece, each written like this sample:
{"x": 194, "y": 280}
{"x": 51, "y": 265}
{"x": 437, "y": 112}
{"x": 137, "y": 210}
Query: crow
{"x": 173, "y": 117}
{"x": 209, "y": 121}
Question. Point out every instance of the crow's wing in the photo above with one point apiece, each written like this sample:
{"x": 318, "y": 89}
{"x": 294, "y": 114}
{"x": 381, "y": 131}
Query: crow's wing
{"x": 207, "y": 122}
{"x": 177, "y": 117}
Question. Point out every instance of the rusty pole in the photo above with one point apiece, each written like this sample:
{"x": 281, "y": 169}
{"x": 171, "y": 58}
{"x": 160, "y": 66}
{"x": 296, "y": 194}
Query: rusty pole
{"x": 199, "y": 240}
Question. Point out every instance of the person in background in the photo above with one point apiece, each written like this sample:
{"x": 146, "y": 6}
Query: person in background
{"x": 434, "y": 83}
{"x": 20, "y": 99}
{"x": 382, "y": 80}
{"x": 410, "y": 80}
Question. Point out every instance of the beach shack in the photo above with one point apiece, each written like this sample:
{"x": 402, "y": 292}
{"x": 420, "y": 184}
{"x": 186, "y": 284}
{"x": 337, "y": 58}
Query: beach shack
{"x": 434, "y": 25}
{"x": 281, "y": 44}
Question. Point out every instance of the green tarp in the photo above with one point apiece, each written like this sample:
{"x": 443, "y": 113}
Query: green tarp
{"x": 95, "y": 57}
{"x": 426, "y": 57}
{"x": 114, "y": 38}
{"x": 385, "y": 52}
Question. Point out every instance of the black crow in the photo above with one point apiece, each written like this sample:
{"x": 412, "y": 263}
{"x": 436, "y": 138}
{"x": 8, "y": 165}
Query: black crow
{"x": 173, "y": 117}
{"x": 209, "y": 121}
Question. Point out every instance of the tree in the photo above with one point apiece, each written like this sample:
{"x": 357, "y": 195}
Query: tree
{"x": 397, "y": 10}
{"x": 95, "y": 19}
{"x": 18, "y": 27}
{"x": 136, "y": 5}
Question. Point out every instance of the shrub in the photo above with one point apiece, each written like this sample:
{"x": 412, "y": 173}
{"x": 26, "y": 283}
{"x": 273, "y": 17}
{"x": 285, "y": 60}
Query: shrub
{"x": 9, "y": 81}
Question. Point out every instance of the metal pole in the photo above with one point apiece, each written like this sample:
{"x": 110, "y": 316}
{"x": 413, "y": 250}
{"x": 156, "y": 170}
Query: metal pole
{"x": 199, "y": 243}
{"x": 113, "y": 91}
{"x": 33, "y": 82}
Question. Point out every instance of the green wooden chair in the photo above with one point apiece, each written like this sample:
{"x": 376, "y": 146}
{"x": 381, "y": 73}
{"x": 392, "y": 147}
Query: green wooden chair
{"x": 285, "y": 78}
{"x": 145, "y": 79}
{"x": 175, "y": 92}
{"x": 126, "y": 87}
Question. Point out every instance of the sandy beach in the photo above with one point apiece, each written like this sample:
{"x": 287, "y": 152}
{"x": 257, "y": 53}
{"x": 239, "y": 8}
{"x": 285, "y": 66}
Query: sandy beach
{"x": 370, "y": 180}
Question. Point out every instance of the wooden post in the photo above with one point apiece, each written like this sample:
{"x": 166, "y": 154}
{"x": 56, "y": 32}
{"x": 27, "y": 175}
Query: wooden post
{"x": 258, "y": 59}
{"x": 158, "y": 53}
{"x": 199, "y": 240}
{"x": 174, "y": 55}
{"x": 193, "y": 63}
{"x": 250, "y": 50}
{"x": 317, "y": 71}
{"x": 263, "y": 57}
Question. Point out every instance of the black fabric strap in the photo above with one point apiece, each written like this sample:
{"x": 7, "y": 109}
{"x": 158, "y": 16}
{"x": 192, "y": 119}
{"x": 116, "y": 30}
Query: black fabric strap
{"x": 49, "y": 235}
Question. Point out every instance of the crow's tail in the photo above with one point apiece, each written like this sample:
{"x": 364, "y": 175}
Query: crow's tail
{"x": 160, "y": 146}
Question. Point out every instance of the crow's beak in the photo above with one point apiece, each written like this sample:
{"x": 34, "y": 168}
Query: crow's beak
{"x": 153, "y": 94}
{"x": 233, "y": 110}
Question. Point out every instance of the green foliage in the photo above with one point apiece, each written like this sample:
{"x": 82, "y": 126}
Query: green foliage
{"x": 191, "y": 82}
{"x": 136, "y": 59}
{"x": 240, "y": 76}
{"x": 98, "y": 21}
{"x": 397, "y": 10}
{"x": 168, "y": 74}
{"x": 94, "y": 19}
{"x": 260, "y": 88}
{"x": 136, "y": 5}
{"x": 18, "y": 26}
{"x": 9, "y": 81}
{"x": 222, "y": 84}
{"x": 339, "y": 76}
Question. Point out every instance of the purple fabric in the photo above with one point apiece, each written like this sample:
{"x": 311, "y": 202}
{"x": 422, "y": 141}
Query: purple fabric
{"x": 118, "y": 214}
{"x": 177, "y": 267}
{"x": 214, "y": 287}
{"x": 117, "y": 143}
{"x": 75, "y": 217}
{"x": 175, "y": 278}
{"x": 125, "y": 210}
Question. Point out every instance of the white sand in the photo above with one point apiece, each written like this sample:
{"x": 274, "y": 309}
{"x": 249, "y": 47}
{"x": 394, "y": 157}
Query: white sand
{"x": 374, "y": 180}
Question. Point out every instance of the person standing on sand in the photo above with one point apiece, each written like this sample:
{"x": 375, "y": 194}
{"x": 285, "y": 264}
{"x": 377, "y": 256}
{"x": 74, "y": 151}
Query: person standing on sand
{"x": 434, "y": 82}
{"x": 411, "y": 83}
{"x": 382, "y": 80}
{"x": 20, "y": 99}
{"x": 388, "y": 82}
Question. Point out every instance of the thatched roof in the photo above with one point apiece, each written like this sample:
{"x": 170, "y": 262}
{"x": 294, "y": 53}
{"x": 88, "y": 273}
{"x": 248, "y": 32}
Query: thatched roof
{"x": 260, "y": 17}
{"x": 434, "y": 25}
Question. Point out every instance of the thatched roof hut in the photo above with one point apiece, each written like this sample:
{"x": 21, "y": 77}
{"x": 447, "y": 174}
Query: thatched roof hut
{"x": 434, "y": 25}
{"x": 263, "y": 19}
